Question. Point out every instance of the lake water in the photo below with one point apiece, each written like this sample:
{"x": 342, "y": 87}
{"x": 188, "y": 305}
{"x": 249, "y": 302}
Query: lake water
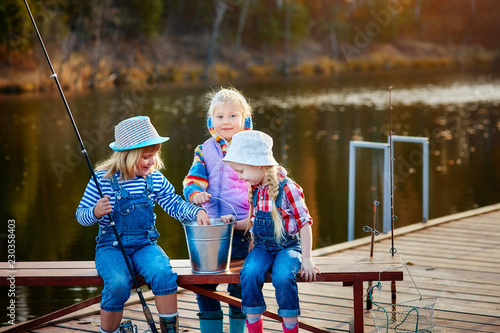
{"x": 312, "y": 121}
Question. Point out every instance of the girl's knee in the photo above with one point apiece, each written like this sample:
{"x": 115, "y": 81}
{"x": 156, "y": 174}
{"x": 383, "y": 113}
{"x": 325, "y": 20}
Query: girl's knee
{"x": 118, "y": 285}
{"x": 164, "y": 271}
{"x": 163, "y": 282}
{"x": 248, "y": 275}
{"x": 284, "y": 278}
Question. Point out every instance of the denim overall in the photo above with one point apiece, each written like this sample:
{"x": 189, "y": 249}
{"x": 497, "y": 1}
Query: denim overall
{"x": 134, "y": 219}
{"x": 283, "y": 259}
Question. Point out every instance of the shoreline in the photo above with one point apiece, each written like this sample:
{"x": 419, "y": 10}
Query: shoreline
{"x": 30, "y": 73}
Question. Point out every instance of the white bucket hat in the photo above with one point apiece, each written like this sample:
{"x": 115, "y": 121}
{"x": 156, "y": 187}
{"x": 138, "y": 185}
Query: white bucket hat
{"x": 251, "y": 148}
{"x": 135, "y": 132}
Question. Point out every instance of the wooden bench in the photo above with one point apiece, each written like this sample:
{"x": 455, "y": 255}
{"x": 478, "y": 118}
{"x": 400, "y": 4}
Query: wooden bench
{"x": 351, "y": 271}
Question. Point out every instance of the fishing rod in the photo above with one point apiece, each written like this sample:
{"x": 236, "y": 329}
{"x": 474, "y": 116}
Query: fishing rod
{"x": 374, "y": 232}
{"x": 391, "y": 165}
{"x": 145, "y": 308}
{"x": 393, "y": 217}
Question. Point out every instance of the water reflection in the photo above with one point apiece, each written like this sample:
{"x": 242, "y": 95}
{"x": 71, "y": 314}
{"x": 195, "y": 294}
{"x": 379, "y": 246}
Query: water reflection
{"x": 311, "y": 121}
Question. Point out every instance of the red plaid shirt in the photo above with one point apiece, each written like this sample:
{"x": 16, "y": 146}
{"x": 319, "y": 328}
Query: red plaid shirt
{"x": 293, "y": 205}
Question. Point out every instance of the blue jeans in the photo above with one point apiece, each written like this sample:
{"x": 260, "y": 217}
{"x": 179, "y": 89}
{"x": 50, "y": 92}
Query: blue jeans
{"x": 239, "y": 250}
{"x": 284, "y": 266}
{"x": 147, "y": 258}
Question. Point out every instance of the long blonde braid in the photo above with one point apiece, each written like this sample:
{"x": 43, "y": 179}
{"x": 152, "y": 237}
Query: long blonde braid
{"x": 250, "y": 208}
{"x": 274, "y": 189}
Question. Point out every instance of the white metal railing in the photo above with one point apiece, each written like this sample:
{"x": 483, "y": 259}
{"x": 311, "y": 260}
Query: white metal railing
{"x": 386, "y": 207}
{"x": 352, "y": 182}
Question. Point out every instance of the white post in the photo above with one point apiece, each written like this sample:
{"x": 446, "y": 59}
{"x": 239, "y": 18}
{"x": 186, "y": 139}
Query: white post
{"x": 352, "y": 183}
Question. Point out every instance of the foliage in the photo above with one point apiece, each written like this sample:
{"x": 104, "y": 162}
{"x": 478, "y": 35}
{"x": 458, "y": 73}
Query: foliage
{"x": 146, "y": 15}
{"x": 121, "y": 34}
{"x": 265, "y": 23}
{"x": 13, "y": 26}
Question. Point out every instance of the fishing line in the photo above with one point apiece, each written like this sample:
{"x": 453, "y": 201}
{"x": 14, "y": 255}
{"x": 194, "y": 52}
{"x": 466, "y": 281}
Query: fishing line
{"x": 146, "y": 310}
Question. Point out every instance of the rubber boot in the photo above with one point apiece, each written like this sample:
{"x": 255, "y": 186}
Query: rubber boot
{"x": 291, "y": 330}
{"x": 255, "y": 327}
{"x": 211, "y": 321}
{"x": 236, "y": 321}
{"x": 169, "y": 325}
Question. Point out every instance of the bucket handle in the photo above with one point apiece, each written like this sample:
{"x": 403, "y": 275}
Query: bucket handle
{"x": 234, "y": 211}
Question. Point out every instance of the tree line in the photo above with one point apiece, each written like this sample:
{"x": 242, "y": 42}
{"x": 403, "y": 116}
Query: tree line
{"x": 346, "y": 26}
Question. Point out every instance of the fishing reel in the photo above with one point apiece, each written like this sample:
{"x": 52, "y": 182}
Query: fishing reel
{"x": 127, "y": 327}
{"x": 370, "y": 229}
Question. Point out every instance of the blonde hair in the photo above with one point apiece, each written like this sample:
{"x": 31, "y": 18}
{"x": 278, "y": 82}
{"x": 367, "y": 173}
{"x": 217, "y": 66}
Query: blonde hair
{"x": 127, "y": 162}
{"x": 228, "y": 96}
{"x": 271, "y": 175}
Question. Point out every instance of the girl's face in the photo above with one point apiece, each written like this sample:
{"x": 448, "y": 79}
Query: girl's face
{"x": 146, "y": 161}
{"x": 254, "y": 175}
{"x": 227, "y": 118}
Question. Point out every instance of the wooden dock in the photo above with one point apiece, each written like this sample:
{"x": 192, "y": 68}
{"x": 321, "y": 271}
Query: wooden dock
{"x": 455, "y": 258}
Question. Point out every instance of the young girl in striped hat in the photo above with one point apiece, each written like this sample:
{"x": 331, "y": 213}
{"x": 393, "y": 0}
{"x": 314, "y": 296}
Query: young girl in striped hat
{"x": 131, "y": 184}
{"x": 278, "y": 215}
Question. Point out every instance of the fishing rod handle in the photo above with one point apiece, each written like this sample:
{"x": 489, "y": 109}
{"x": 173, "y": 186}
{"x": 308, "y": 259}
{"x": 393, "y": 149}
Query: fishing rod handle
{"x": 149, "y": 319}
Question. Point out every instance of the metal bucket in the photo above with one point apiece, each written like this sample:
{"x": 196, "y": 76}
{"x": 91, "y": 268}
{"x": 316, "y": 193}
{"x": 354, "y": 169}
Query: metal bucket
{"x": 210, "y": 246}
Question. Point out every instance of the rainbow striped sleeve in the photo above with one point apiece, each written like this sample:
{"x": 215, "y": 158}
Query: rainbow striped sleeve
{"x": 196, "y": 180}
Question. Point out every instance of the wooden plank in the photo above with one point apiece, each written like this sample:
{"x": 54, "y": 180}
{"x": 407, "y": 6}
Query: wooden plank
{"x": 23, "y": 327}
{"x": 423, "y": 260}
{"x": 178, "y": 263}
{"x": 333, "y": 268}
{"x": 445, "y": 244}
{"x": 73, "y": 326}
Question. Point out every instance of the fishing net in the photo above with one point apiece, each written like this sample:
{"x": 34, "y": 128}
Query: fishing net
{"x": 415, "y": 316}
{"x": 411, "y": 316}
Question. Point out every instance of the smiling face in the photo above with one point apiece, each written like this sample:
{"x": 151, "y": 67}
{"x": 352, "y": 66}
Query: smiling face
{"x": 254, "y": 175}
{"x": 228, "y": 120}
{"x": 146, "y": 161}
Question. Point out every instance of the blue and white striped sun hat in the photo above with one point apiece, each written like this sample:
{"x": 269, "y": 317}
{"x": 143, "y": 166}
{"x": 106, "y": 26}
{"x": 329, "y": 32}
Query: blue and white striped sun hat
{"x": 135, "y": 132}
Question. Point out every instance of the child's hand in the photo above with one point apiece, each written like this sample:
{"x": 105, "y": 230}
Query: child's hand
{"x": 202, "y": 217}
{"x": 201, "y": 198}
{"x": 102, "y": 207}
{"x": 227, "y": 218}
{"x": 309, "y": 270}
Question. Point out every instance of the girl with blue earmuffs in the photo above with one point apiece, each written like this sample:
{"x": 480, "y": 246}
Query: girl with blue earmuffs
{"x": 228, "y": 113}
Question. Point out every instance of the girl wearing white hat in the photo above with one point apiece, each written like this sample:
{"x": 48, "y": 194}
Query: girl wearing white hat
{"x": 278, "y": 214}
{"x": 131, "y": 184}
{"x": 228, "y": 114}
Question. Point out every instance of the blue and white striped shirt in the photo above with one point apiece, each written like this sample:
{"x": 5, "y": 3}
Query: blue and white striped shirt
{"x": 163, "y": 194}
